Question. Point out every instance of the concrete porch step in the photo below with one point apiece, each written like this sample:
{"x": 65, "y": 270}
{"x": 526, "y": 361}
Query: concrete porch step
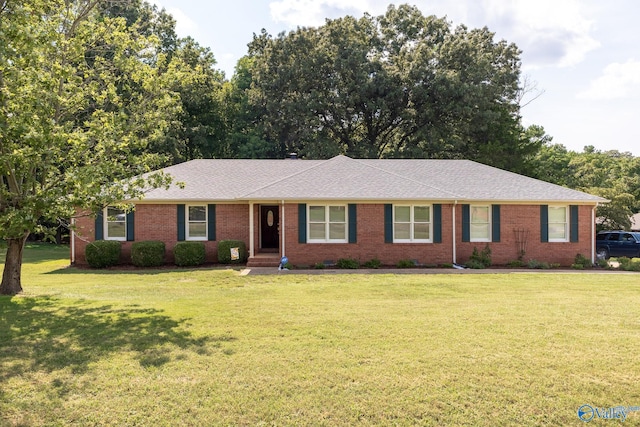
{"x": 264, "y": 260}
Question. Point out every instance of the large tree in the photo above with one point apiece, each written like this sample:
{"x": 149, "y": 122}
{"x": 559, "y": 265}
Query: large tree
{"x": 79, "y": 101}
{"x": 397, "y": 85}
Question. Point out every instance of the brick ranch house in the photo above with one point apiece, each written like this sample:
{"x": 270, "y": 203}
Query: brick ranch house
{"x": 432, "y": 211}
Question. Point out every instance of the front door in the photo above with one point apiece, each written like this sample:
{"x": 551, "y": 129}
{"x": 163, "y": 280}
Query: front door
{"x": 269, "y": 226}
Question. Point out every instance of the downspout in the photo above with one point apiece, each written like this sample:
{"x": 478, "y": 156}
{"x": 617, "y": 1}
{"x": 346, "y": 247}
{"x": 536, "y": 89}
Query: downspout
{"x": 593, "y": 234}
{"x": 251, "y": 225}
{"x": 455, "y": 256}
{"x": 282, "y": 228}
{"x": 73, "y": 241}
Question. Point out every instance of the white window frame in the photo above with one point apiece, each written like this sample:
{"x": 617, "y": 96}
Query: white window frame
{"x": 566, "y": 223}
{"x": 412, "y": 223}
{"x": 477, "y": 223}
{"x": 327, "y": 223}
{"x": 188, "y": 222}
{"x": 107, "y": 221}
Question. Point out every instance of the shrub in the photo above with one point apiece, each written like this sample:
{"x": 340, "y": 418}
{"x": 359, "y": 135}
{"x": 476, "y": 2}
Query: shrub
{"x": 319, "y": 266}
{"x": 406, "y": 263}
{"x": 475, "y": 264}
{"x": 189, "y": 254}
{"x": 481, "y": 258}
{"x": 374, "y": 263}
{"x": 224, "y": 251}
{"x": 347, "y": 263}
{"x": 581, "y": 262}
{"x": 103, "y": 253}
{"x": 627, "y": 264}
{"x": 538, "y": 265}
{"x": 149, "y": 253}
{"x": 516, "y": 263}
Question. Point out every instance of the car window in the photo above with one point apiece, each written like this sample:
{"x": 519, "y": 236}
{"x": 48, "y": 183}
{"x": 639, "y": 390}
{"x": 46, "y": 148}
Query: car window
{"x": 613, "y": 236}
{"x": 601, "y": 237}
{"x": 628, "y": 238}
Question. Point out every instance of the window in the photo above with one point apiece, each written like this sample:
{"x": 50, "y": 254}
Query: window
{"x": 197, "y": 223}
{"x": 411, "y": 223}
{"x": 480, "y": 224}
{"x": 558, "y": 224}
{"x": 327, "y": 224}
{"x": 115, "y": 224}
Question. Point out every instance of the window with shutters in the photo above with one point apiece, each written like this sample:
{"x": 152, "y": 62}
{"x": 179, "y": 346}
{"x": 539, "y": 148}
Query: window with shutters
{"x": 327, "y": 223}
{"x": 115, "y": 223}
{"x": 412, "y": 223}
{"x": 558, "y": 224}
{"x": 196, "y": 222}
{"x": 480, "y": 223}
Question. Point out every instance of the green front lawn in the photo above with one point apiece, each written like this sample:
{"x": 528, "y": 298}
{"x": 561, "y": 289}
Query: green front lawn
{"x": 210, "y": 347}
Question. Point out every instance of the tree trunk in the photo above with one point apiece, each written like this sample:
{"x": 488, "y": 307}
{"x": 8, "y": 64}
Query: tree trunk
{"x": 11, "y": 282}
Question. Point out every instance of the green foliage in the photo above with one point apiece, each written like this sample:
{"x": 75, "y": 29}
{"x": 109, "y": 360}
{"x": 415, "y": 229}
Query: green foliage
{"x": 103, "y": 253}
{"x": 406, "y": 263}
{"x": 373, "y": 263}
{"x": 79, "y": 103}
{"x": 610, "y": 174}
{"x": 188, "y": 254}
{"x": 319, "y": 266}
{"x": 535, "y": 264}
{"x": 148, "y": 253}
{"x": 347, "y": 263}
{"x": 581, "y": 262}
{"x": 627, "y": 264}
{"x": 480, "y": 259}
{"x": 396, "y": 85}
{"x": 224, "y": 251}
{"x": 517, "y": 263}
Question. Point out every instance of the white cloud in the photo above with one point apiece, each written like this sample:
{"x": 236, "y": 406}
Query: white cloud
{"x": 185, "y": 26}
{"x": 618, "y": 81}
{"x": 550, "y": 32}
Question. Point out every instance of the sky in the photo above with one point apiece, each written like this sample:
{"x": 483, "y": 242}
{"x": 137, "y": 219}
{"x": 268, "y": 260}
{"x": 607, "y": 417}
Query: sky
{"x": 580, "y": 57}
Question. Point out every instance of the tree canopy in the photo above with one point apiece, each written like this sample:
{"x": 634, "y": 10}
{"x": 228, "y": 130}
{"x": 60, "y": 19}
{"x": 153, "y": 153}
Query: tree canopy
{"x": 398, "y": 85}
{"x": 79, "y": 103}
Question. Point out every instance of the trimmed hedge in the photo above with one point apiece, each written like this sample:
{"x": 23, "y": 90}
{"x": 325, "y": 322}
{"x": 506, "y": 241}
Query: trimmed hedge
{"x": 224, "y": 251}
{"x": 188, "y": 254}
{"x": 103, "y": 253}
{"x": 148, "y": 253}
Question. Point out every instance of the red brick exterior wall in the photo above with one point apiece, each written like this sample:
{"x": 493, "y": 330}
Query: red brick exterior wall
{"x": 159, "y": 222}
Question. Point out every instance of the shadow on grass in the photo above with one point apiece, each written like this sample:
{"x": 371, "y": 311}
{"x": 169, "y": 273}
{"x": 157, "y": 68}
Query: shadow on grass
{"x": 44, "y": 334}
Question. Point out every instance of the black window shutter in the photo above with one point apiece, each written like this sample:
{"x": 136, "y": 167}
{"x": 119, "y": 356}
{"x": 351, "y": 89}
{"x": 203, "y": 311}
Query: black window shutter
{"x": 353, "y": 223}
{"x": 466, "y": 223}
{"x": 544, "y": 223}
{"x": 574, "y": 222}
{"x": 211, "y": 222}
{"x": 437, "y": 223}
{"x": 181, "y": 223}
{"x": 495, "y": 223}
{"x": 302, "y": 223}
{"x": 130, "y": 226}
{"x": 388, "y": 223}
{"x": 99, "y": 226}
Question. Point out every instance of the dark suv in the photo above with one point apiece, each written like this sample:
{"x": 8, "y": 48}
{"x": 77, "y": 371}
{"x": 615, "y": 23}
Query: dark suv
{"x": 617, "y": 244}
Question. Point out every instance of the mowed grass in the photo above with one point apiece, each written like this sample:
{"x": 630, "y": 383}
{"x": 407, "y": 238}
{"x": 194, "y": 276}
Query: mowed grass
{"x": 211, "y": 347}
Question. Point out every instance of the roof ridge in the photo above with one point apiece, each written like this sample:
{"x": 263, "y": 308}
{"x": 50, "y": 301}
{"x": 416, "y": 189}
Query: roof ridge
{"x": 287, "y": 177}
{"x": 403, "y": 176}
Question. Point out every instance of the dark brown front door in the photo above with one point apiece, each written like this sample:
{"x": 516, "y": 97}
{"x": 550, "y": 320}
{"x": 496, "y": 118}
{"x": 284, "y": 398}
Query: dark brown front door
{"x": 269, "y": 225}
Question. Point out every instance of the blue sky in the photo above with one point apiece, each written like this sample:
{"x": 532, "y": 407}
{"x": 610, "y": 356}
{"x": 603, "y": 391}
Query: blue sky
{"x": 584, "y": 55}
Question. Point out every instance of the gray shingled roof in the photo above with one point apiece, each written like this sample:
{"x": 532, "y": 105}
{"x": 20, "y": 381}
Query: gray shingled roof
{"x": 343, "y": 178}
